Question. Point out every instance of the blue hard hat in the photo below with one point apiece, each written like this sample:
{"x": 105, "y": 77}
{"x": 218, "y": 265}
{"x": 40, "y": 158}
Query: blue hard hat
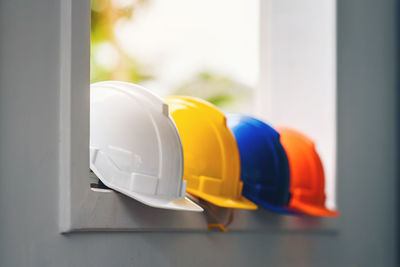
{"x": 264, "y": 165}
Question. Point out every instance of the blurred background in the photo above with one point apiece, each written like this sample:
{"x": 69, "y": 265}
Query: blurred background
{"x": 207, "y": 49}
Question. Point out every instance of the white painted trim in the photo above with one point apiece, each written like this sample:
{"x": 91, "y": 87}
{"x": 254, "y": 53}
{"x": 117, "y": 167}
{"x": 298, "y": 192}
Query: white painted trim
{"x": 83, "y": 209}
{"x": 74, "y": 110}
{"x": 262, "y": 94}
{"x": 65, "y": 115}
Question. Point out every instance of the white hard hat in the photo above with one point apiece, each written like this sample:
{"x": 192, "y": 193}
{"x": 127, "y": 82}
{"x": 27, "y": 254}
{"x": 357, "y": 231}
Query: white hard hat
{"x": 135, "y": 147}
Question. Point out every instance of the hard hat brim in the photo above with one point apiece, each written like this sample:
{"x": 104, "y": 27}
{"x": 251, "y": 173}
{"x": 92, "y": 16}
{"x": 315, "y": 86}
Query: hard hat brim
{"x": 240, "y": 203}
{"x": 270, "y": 207}
{"x": 312, "y": 209}
{"x": 183, "y": 204}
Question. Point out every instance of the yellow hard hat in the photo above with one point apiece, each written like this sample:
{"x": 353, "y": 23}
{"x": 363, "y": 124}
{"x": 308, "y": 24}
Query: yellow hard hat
{"x": 210, "y": 153}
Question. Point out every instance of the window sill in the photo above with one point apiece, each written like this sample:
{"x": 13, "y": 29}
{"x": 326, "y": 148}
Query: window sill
{"x": 107, "y": 210}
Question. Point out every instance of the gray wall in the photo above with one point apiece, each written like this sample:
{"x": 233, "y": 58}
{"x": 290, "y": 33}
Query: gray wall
{"x": 367, "y": 155}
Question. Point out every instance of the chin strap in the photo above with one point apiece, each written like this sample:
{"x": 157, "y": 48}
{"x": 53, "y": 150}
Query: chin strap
{"x": 217, "y": 218}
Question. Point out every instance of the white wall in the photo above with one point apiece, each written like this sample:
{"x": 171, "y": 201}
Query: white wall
{"x": 298, "y": 74}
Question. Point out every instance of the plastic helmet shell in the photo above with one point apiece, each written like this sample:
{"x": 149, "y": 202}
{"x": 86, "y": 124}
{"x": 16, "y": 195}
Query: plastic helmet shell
{"x": 211, "y": 156}
{"x": 264, "y": 165}
{"x": 135, "y": 147}
{"x": 307, "y": 178}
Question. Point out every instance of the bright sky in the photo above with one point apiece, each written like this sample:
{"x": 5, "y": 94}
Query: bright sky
{"x": 179, "y": 38}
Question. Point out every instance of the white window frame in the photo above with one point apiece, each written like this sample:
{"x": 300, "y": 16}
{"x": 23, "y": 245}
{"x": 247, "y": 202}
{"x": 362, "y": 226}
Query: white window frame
{"x": 82, "y": 209}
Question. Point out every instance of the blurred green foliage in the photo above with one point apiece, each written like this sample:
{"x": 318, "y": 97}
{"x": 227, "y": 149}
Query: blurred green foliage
{"x": 215, "y": 88}
{"x": 110, "y": 62}
{"x": 121, "y": 66}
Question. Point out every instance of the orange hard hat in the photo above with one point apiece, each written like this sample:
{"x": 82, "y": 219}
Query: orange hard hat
{"x": 307, "y": 178}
